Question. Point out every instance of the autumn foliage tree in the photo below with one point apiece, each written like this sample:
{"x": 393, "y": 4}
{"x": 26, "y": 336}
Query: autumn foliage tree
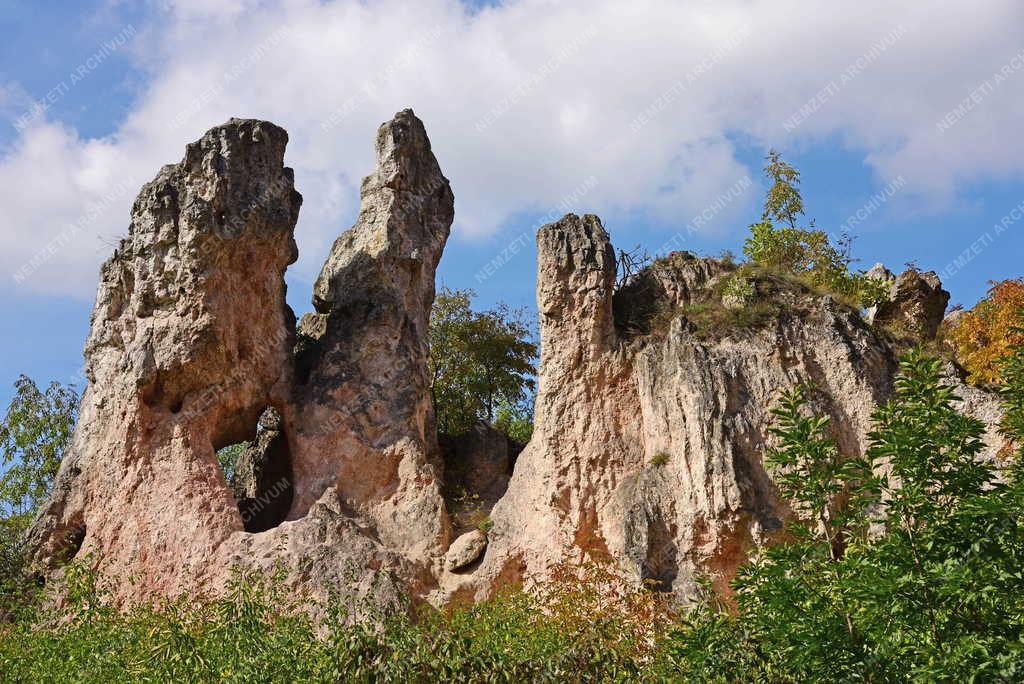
{"x": 988, "y": 332}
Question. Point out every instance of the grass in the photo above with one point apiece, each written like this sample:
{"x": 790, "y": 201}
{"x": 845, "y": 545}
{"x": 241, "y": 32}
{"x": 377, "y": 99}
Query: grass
{"x": 579, "y": 627}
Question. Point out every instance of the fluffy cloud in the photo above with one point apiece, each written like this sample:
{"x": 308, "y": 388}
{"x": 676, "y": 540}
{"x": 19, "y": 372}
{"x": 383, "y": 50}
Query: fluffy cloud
{"x": 527, "y": 100}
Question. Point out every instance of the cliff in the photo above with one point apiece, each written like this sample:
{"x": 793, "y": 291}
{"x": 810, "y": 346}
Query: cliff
{"x": 652, "y": 409}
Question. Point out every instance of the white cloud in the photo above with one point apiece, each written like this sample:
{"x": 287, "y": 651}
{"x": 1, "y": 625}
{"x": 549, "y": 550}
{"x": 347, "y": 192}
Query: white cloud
{"x": 523, "y": 103}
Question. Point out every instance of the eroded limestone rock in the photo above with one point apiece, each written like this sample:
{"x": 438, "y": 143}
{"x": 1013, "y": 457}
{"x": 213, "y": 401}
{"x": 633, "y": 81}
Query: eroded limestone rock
{"x": 647, "y": 448}
{"x": 649, "y": 433}
{"x": 190, "y": 334}
{"x": 360, "y": 413}
{"x": 263, "y": 483}
{"x": 916, "y": 304}
{"x": 192, "y": 342}
{"x": 479, "y": 462}
{"x": 465, "y": 550}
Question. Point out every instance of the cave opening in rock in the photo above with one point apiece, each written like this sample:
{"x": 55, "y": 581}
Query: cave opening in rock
{"x": 74, "y": 541}
{"x": 259, "y": 473}
{"x": 659, "y": 568}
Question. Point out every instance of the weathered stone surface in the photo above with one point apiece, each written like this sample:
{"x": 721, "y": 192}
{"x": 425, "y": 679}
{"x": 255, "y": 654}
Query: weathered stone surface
{"x": 880, "y": 272}
{"x": 465, "y": 550}
{"x": 190, "y": 334}
{"x": 479, "y": 462}
{"x": 648, "y": 436}
{"x": 917, "y": 303}
{"x": 360, "y": 413}
{"x": 192, "y": 342}
{"x": 263, "y": 482}
{"x": 647, "y": 449}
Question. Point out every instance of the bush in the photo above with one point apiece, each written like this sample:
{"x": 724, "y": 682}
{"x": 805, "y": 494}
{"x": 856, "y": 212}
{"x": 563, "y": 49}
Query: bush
{"x": 660, "y": 459}
{"x": 922, "y": 600}
{"x": 585, "y": 625}
{"x": 35, "y": 432}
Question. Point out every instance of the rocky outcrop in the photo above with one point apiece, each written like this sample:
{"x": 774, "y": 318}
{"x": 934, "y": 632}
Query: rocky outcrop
{"x": 652, "y": 409}
{"x": 192, "y": 342}
{"x": 647, "y": 447}
{"x": 190, "y": 335}
{"x": 360, "y": 408}
{"x": 915, "y": 306}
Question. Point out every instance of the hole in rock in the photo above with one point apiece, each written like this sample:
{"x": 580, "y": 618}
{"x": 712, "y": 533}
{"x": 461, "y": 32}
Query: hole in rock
{"x": 259, "y": 473}
{"x": 659, "y": 568}
{"x": 73, "y": 544}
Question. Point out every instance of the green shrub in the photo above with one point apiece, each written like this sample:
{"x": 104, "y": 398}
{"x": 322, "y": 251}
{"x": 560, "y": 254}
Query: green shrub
{"x": 571, "y": 629}
{"x": 738, "y": 287}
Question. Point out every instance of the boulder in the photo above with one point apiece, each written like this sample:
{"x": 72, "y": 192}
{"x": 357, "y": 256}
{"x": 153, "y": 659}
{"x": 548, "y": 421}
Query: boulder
{"x": 465, "y": 550}
{"x": 915, "y": 306}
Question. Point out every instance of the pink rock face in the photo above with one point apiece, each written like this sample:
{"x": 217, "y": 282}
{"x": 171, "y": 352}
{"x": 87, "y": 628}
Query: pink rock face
{"x": 647, "y": 446}
{"x": 648, "y": 436}
{"x": 362, "y": 388}
{"x": 192, "y": 342}
{"x": 190, "y": 333}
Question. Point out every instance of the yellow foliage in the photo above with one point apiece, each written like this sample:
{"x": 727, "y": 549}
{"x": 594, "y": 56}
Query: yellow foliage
{"x": 985, "y": 333}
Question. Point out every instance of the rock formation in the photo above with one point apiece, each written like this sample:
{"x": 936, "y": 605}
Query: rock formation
{"x": 192, "y": 342}
{"x": 361, "y": 388}
{"x": 915, "y": 306}
{"x": 651, "y": 413}
{"x": 647, "y": 444}
{"x": 263, "y": 482}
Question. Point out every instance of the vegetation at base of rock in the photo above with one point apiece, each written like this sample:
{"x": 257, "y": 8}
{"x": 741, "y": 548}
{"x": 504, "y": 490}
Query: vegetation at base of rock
{"x": 930, "y": 593}
{"x": 481, "y": 365}
{"x": 986, "y": 333}
{"x": 934, "y": 596}
{"x": 596, "y": 628}
{"x": 34, "y": 435}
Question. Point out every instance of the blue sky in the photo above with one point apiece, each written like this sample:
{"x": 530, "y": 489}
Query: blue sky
{"x": 525, "y": 103}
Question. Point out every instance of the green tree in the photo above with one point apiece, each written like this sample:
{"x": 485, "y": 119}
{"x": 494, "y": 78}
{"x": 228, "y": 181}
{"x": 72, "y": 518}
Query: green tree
{"x": 783, "y": 203}
{"x": 924, "y": 597}
{"x": 35, "y": 433}
{"x": 777, "y": 242}
{"x": 481, "y": 362}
